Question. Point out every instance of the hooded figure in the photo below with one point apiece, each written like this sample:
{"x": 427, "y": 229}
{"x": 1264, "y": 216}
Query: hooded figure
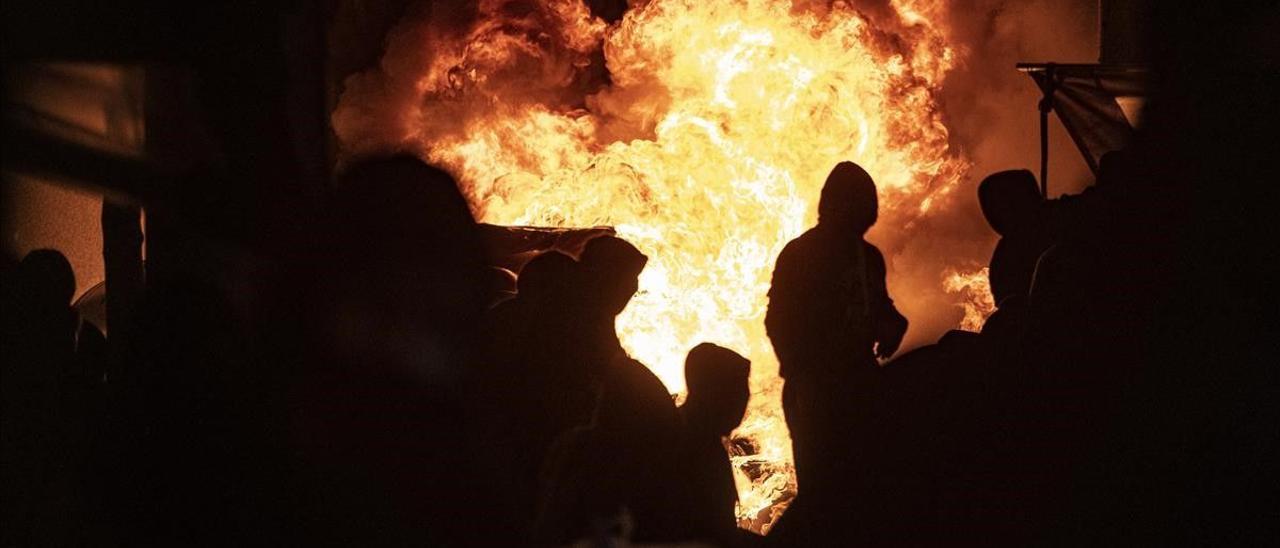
{"x": 828, "y": 305}
{"x": 625, "y": 462}
{"x": 1011, "y": 203}
{"x": 718, "y": 381}
{"x": 829, "y": 318}
{"x": 375, "y": 406}
{"x": 537, "y": 380}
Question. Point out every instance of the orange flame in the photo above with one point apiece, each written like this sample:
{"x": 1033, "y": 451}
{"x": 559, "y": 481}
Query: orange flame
{"x": 707, "y": 150}
{"x": 974, "y": 289}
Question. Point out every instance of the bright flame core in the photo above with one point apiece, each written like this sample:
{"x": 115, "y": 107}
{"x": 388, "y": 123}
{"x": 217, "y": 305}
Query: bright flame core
{"x": 707, "y": 149}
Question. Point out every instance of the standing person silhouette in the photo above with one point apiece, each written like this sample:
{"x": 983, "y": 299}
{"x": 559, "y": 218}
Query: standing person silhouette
{"x": 829, "y": 318}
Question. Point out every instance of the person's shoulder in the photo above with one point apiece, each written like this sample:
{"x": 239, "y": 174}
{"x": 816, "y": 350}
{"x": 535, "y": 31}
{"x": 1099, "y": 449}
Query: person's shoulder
{"x": 809, "y": 237}
{"x": 801, "y": 245}
{"x": 637, "y": 381}
{"x": 792, "y": 265}
{"x": 635, "y": 371}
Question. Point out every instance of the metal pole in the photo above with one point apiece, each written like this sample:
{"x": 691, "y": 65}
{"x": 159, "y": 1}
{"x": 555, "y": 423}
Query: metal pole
{"x": 1046, "y": 105}
{"x": 1044, "y": 149}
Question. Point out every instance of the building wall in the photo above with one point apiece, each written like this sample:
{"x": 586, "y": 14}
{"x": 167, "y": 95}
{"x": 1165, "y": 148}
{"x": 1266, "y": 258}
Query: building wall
{"x": 44, "y": 215}
{"x": 92, "y": 104}
{"x": 1122, "y": 31}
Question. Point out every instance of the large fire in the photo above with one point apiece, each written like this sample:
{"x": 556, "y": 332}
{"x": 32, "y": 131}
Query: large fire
{"x": 705, "y": 145}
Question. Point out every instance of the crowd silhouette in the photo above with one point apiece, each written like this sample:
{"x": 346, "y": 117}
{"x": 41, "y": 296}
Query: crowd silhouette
{"x": 369, "y": 376}
{"x": 408, "y": 394}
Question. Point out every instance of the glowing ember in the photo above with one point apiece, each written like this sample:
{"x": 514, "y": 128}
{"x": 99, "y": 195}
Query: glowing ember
{"x": 706, "y": 148}
{"x": 974, "y": 290}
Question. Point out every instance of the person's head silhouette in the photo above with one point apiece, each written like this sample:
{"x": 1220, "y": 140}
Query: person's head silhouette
{"x": 717, "y": 379}
{"x": 1009, "y": 199}
{"x": 848, "y": 200}
{"x": 612, "y": 268}
{"x": 49, "y": 278}
{"x": 1115, "y": 169}
{"x": 404, "y": 263}
{"x": 548, "y": 276}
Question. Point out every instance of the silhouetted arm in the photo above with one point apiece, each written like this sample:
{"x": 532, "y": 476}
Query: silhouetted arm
{"x": 784, "y": 320}
{"x": 890, "y": 325}
{"x": 997, "y": 272}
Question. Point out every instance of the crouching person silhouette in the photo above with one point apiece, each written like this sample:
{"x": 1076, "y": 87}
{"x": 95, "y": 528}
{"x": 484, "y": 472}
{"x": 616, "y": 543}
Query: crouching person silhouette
{"x": 718, "y": 382}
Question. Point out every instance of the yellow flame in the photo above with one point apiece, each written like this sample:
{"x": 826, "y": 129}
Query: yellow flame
{"x": 707, "y": 151}
{"x": 974, "y": 289}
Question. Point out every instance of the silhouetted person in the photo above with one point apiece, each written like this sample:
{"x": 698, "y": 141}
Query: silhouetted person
{"x": 829, "y": 318}
{"x": 717, "y": 380}
{"x": 546, "y": 291}
{"x": 39, "y": 353}
{"x": 187, "y": 413}
{"x": 1116, "y": 168}
{"x": 376, "y": 416}
{"x": 48, "y": 284}
{"x": 632, "y": 394}
{"x": 1012, "y": 205}
{"x": 611, "y": 270}
{"x": 538, "y": 378}
{"x": 624, "y": 461}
